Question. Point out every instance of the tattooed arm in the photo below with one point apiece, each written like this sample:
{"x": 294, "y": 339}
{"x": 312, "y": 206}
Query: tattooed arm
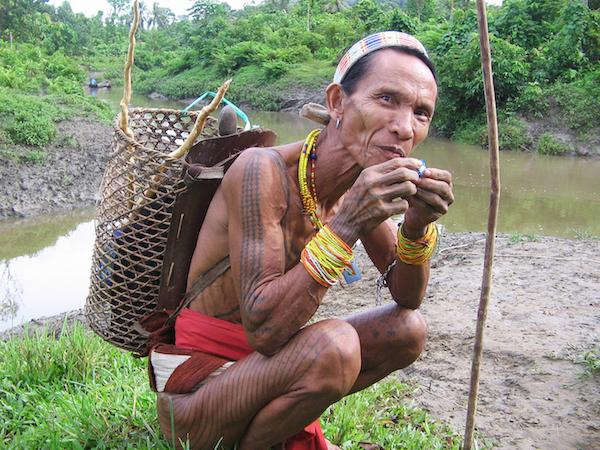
{"x": 406, "y": 283}
{"x": 274, "y": 304}
{"x": 433, "y": 196}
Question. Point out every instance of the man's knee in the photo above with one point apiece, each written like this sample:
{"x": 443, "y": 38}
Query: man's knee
{"x": 336, "y": 359}
{"x": 414, "y": 333}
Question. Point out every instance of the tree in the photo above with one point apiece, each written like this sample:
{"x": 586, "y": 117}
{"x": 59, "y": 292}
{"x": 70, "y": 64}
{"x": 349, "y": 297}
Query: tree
{"x": 161, "y": 17}
{"x": 208, "y": 9}
{"x": 421, "y": 9}
{"x": 118, "y": 7}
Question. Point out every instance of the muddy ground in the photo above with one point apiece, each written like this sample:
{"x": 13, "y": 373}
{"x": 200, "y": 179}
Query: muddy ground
{"x": 543, "y": 315}
{"x": 68, "y": 178}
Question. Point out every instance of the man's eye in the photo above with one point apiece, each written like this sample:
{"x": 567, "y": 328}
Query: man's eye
{"x": 422, "y": 113}
{"x": 386, "y": 98}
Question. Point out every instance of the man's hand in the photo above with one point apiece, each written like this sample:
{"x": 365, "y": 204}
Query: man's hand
{"x": 430, "y": 202}
{"x": 379, "y": 192}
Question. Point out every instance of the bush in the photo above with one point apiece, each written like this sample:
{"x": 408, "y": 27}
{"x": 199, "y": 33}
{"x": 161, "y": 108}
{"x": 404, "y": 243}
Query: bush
{"x": 579, "y": 101}
{"x": 512, "y": 134}
{"x": 31, "y": 130}
{"x": 35, "y": 157}
{"x": 549, "y": 145}
{"x": 275, "y": 69}
{"x": 533, "y": 101}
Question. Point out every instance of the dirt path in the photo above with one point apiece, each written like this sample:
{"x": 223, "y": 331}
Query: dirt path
{"x": 544, "y": 313}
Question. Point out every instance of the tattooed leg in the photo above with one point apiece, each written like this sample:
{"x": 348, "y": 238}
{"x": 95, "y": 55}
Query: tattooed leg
{"x": 391, "y": 338}
{"x": 260, "y": 400}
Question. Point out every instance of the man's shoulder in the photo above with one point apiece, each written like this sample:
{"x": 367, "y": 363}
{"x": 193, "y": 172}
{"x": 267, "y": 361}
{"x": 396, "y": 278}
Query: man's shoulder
{"x": 258, "y": 165}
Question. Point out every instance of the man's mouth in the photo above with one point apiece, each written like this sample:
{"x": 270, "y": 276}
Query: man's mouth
{"x": 396, "y": 149}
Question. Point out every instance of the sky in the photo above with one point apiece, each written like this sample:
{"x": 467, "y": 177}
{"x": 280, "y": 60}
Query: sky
{"x": 179, "y": 7}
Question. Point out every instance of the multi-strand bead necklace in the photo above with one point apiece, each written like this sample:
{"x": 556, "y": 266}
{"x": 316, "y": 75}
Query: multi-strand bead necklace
{"x": 326, "y": 256}
{"x": 308, "y": 192}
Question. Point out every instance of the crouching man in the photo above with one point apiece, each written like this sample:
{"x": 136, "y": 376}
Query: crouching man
{"x": 251, "y": 372}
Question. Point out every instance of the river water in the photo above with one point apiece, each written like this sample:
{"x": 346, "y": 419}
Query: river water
{"x": 45, "y": 262}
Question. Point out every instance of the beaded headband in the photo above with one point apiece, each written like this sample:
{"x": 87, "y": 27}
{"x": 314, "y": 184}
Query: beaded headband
{"x": 370, "y": 44}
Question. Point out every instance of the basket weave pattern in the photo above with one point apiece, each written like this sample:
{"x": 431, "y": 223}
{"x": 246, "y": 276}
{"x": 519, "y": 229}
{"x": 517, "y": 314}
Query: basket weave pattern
{"x": 138, "y": 192}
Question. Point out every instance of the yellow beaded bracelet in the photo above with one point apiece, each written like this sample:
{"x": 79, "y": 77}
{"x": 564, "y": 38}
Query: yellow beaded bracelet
{"x": 418, "y": 251}
{"x": 326, "y": 256}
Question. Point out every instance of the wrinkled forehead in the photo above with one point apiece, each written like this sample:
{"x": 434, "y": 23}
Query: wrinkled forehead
{"x": 372, "y": 43}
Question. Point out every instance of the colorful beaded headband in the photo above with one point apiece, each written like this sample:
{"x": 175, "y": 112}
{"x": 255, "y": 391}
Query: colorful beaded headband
{"x": 370, "y": 44}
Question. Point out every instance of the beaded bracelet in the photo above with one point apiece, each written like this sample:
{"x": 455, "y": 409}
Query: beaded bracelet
{"x": 418, "y": 251}
{"x": 326, "y": 256}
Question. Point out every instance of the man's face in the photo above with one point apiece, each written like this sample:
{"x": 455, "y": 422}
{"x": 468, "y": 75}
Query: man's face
{"x": 390, "y": 110}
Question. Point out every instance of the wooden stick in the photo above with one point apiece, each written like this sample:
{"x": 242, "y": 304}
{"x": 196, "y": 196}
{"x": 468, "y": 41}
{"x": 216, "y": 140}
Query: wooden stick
{"x": 182, "y": 151}
{"x": 200, "y": 121}
{"x": 486, "y": 283}
{"x": 124, "y": 118}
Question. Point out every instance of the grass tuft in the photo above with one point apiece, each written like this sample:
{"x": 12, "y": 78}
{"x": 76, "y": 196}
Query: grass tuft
{"x": 591, "y": 360}
{"x": 382, "y": 414}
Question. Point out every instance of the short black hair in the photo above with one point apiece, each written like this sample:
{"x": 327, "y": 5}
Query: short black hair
{"x": 361, "y": 67}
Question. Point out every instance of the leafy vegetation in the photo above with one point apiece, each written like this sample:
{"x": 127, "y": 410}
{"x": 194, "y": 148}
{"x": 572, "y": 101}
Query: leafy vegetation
{"x": 591, "y": 359}
{"x": 77, "y": 391}
{"x": 549, "y": 145}
{"x": 37, "y": 90}
{"x": 546, "y": 56}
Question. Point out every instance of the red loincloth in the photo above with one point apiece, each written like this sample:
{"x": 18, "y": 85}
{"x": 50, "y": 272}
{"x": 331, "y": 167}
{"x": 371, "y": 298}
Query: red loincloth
{"x": 223, "y": 339}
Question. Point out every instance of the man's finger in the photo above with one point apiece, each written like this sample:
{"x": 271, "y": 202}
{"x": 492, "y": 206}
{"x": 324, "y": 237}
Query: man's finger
{"x": 398, "y": 175}
{"x": 396, "y": 163}
{"x": 441, "y": 188}
{"x": 438, "y": 174}
{"x": 434, "y": 201}
{"x": 396, "y": 190}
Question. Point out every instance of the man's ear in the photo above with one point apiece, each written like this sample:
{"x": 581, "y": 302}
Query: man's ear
{"x": 334, "y": 96}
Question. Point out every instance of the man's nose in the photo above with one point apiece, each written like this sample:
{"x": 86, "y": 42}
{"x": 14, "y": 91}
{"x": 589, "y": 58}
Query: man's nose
{"x": 402, "y": 124}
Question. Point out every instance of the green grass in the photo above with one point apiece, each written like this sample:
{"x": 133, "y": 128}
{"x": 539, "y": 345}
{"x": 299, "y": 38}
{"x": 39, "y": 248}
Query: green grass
{"x": 591, "y": 360}
{"x": 74, "y": 392}
{"x": 77, "y": 391}
{"x": 382, "y": 414}
{"x": 549, "y": 145}
{"x": 582, "y": 233}
{"x": 516, "y": 237}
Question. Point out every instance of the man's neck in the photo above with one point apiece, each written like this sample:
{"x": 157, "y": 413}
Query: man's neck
{"x": 336, "y": 170}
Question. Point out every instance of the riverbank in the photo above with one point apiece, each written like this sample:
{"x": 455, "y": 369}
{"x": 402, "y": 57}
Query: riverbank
{"x": 67, "y": 175}
{"x": 534, "y": 391}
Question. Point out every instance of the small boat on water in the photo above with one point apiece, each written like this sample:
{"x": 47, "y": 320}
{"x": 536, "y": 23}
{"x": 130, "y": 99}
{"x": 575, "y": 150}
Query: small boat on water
{"x": 95, "y": 85}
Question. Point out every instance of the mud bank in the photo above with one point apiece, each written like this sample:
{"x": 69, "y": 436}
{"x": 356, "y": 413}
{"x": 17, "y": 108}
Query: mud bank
{"x": 68, "y": 178}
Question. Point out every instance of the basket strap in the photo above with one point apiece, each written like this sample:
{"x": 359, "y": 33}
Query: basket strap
{"x": 201, "y": 283}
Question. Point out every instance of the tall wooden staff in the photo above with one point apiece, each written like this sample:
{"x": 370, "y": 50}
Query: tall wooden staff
{"x": 486, "y": 283}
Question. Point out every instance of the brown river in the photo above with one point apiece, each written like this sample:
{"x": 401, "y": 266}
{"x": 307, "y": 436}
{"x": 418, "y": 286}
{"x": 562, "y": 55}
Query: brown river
{"x": 45, "y": 262}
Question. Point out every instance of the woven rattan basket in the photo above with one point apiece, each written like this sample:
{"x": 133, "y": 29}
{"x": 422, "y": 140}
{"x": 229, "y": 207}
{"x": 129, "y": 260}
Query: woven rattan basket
{"x": 138, "y": 192}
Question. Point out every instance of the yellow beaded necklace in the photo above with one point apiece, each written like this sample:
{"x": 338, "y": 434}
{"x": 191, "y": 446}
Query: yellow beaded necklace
{"x": 308, "y": 193}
